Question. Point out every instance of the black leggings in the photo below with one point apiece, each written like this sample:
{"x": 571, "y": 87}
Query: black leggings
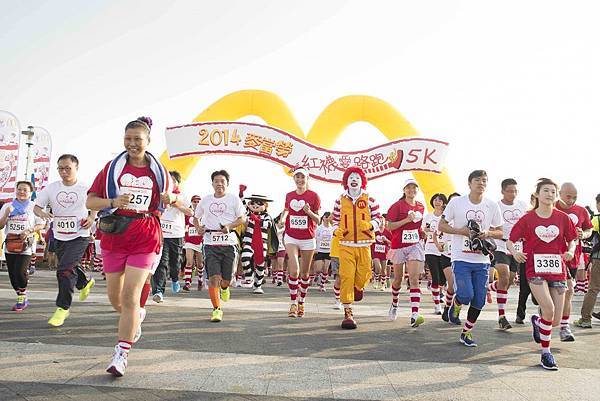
{"x": 437, "y": 270}
{"x": 18, "y": 270}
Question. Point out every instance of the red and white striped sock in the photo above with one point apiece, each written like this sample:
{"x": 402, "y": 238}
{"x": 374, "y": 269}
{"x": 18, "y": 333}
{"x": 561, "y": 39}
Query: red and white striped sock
{"x": 33, "y": 260}
{"x": 187, "y": 274}
{"x": 304, "y": 284}
{"x": 280, "y": 277}
{"x": 336, "y": 292}
{"x": 375, "y": 278}
{"x": 493, "y": 286}
{"x": 124, "y": 345}
{"x": 435, "y": 293}
{"x": 545, "y": 334}
{"x": 415, "y": 300}
{"x": 579, "y": 285}
{"x": 382, "y": 279}
{"x": 293, "y": 287}
{"x": 564, "y": 322}
{"x": 449, "y": 297}
{"x": 395, "y": 295}
{"x": 324, "y": 277}
{"x": 98, "y": 267}
{"x": 200, "y": 273}
{"x": 468, "y": 326}
{"x": 586, "y": 285}
{"x": 502, "y": 299}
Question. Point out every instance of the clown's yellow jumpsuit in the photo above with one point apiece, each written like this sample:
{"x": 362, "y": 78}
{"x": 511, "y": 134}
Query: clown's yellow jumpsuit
{"x": 357, "y": 222}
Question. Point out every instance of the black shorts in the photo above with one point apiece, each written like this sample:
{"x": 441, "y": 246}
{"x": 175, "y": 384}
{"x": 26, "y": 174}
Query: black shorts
{"x": 321, "y": 256}
{"x": 502, "y": 258}
{"x": 220, "y": 260}
{"x": 445, "y": 261}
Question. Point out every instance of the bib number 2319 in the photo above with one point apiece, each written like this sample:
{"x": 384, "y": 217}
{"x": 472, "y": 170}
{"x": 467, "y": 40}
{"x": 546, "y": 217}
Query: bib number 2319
{"x": 410, "y": 236}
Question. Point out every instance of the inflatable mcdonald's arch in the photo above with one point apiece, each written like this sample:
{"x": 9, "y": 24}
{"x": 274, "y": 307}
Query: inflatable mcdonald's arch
{"x": 327, "y": 128}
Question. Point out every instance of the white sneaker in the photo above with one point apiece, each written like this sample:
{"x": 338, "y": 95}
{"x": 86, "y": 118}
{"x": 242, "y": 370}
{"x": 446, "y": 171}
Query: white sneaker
{"x": 393, "y": 313}
{"x": 258, "y": 290}
{"x": 118, "y": 364}
{"x": 338, "y": 305}
{"x": 437, "y": 309}
{"x": 247, "y": 284}
{"x": 566, "y": 335}
{"x": 138, "y": 332}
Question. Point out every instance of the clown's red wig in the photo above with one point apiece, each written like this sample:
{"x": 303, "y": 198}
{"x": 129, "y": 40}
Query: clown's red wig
{"x": 357, "y": 170}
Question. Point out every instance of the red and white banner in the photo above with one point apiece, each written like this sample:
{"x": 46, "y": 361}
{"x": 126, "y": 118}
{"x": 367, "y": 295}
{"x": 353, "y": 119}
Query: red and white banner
{"x": 239, "y": 138}
{"x": 10, "y": 132}
{"x": 42, "y": 150}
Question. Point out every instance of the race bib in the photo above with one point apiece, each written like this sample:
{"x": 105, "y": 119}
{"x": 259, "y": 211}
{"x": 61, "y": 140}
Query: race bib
{"x": 66, "y": 224}
{"x": 429, "y": 237}
{"x": 410, "y": 236}
{"x": 547, "y": 263}
{"x": 15, "y": 227}
{"x": 299, "y": 222}
{"x": 218, "y": 238}
{"x": 166, "y": 226}
{"x": 466, "y": 245}
{"x": 518, "y": 246}
{"x": 141, "y": 197}
{"x": 324, "y": 244}
{"x": 379, "y": 248}
{"x": 192, "y": 232}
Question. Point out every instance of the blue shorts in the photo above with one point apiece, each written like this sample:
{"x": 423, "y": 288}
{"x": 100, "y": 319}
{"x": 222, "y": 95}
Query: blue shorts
{"x": 470, "y": 282}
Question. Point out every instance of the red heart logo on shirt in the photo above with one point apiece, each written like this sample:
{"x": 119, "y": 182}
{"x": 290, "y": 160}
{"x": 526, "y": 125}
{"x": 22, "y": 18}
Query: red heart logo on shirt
{"x": 217, "y": 208}
{"x": 476, "y": 215}
{"x": 512, "y": 216}
{"x": 547, "y": 234}
{"x": 66, "y": 199}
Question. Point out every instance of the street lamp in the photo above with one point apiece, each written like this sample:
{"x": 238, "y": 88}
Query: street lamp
{"x": 29, "y": 142}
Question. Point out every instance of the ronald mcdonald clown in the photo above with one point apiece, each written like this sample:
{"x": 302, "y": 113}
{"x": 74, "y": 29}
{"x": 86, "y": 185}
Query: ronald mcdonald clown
{"x": 357, "y": 218}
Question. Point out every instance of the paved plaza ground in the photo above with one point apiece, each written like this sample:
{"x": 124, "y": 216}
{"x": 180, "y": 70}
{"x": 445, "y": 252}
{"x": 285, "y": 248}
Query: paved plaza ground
{"x": 258, "y": 353}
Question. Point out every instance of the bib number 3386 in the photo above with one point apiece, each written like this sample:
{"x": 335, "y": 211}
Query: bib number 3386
{"x": 547, "y": 263}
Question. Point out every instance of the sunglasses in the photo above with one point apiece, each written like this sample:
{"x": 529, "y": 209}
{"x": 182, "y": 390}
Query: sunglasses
{"x": 257, "y": 203}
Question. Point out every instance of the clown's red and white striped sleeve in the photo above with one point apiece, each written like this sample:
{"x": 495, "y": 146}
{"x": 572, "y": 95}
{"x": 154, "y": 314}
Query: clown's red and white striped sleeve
{"x": 373, "y": 208}
{"x": 336, "y": 212}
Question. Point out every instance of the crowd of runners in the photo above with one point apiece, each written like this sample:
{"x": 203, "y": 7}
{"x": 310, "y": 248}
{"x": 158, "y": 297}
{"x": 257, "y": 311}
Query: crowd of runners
{"x": 135, "y": 226}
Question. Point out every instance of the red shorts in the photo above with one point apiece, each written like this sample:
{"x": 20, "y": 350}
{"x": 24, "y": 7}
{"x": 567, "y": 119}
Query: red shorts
{"x": 115, "y": 262}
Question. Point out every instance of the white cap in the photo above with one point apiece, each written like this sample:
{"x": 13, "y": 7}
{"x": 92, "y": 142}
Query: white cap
{"x": 301, "y": 170}
{"x": 410, "y": 181}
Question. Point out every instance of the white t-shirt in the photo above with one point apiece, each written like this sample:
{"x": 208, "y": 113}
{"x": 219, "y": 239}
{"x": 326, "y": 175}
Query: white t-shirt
{"x": 172, "y": 223}
{"x": 459, "y": 211}
{"x": 68, "y": 208}
{"x": 20, "y": 223}
{"x": 433, "y": 221}
{"x": 215, "y": 212}
{"x": 323, "y": 237}
{"x": 510, "y": 215}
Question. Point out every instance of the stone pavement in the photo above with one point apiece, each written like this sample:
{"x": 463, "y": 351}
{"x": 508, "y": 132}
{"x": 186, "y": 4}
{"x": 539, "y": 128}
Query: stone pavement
{"x": 258, "y": 353}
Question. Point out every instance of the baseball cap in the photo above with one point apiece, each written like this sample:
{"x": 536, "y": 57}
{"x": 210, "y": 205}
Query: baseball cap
{"x": 301, "y": 170}
{"x": 410, "y": 181}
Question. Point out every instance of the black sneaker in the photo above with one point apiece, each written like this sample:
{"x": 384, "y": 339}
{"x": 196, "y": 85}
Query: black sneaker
{"x": 548, "y": 362}
{"x": 596, "y": 315}
{"x": 503, "y": 323}
{"x": 445, "y": 314}
{"x": 535, "y": 329}
{"x": 520, "y": 320}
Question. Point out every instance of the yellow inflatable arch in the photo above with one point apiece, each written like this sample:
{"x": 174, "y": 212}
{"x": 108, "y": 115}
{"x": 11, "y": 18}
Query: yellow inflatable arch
{"x": 325, "y": 131}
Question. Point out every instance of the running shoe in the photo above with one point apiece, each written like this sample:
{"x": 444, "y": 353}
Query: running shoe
{"x": 32, "y": 270}
{"x": 417, "y": 320}
{"x": 566, "y": 335}
{"x": 437, "y": 310}
{"x": 503, "y": 323}
{"x": 584, "y": 324}
{"x": 348, "y": 323}
{"x": 445, "y": 314}
{"x": 293, "y": 311}
{"x": 596, "y": 315}
{"x": 187, "y": 287}
{"x": 199, "y": 285}
{"x": 321, "y": 288}
{"x": 467, "y": 339}
{"x": 454, "y": 313}
{"x": 21, "y": 304}
{"x": 158, "y": 297}
{"x": 338, "y": 305}
{"x": 393, "y": 313}
{"x": 300, "y": 311}
{"x": 548, "y": 361}
{"x": 279, "y": 284}
{"x": 85, "y": 291}
{"x": 58, "y": 319}
{"x": 217, "y": 315}
{"x": 175, "y": 286}
{"x": 535, "y": 329}
{"x": 520, "y": 320}
{"x": 258, "y": 290}
{"x": 118, "y": 364}
{"x": 138, "y": 332}
{"x": 225, "y": 294}
{"x": 375, "y": 285}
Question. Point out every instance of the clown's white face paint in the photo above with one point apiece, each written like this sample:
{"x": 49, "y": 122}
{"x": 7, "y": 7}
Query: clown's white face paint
{"x": 354, "y": 184}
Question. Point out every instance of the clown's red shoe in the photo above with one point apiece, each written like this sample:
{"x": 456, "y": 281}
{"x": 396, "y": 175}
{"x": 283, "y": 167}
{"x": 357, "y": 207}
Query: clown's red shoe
{"x": 348, "y": 322}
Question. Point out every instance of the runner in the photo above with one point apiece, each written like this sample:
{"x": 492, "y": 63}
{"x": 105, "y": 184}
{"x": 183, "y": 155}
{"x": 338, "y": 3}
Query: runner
{"x": 193, "y": 251}
{"x": 581, "y": 219}
{"x": 19, "y": 223}
{"x": 504, "y": 263}
{"x": 474, "y": 220}
{"x": 278, "y": 260}
{"x": 434, "y": 246}
{"x": 404, "y": 221}
{"x": 131, "y": 192}
{"x": 71, "y": 225}
{"x": 215, "y": 218}
{"x": 549, "y": 237}
{"x": 322, "y": 259}
{"x": 379, "y": 251}
{"x": 172, "y": 223}
{"x": 300, "y": 217}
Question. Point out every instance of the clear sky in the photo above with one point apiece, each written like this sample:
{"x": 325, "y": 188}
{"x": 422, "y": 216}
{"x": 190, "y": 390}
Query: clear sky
{"x": 513, "y": 85}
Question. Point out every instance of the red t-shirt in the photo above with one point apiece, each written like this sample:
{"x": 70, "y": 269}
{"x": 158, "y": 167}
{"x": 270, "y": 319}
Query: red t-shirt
{"x": 142, "y": 235}
{"x": 190, "y": 229}
{"x": 410, "y": 233}
{"x": 298, "y": 224}
{"x": 380, "y": 247}
{"x": 544, "y": 242}
{"x": 581, "y": 219}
